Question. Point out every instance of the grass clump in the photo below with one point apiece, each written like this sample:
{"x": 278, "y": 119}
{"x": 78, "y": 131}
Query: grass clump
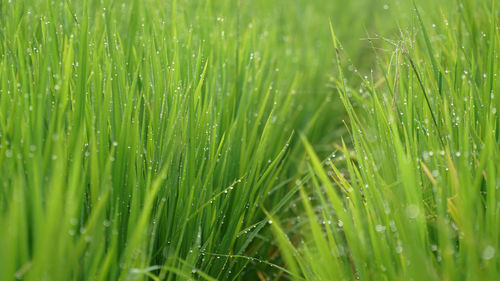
{"x": 139, "y": 139}
{"x": 416, "y": 196}
{"x": 180, "y": 140}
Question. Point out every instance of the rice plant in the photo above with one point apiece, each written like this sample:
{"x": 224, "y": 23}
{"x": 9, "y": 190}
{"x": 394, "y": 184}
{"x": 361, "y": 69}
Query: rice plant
{"x": 181, "y": 140}
{"x": 416, "y": 195}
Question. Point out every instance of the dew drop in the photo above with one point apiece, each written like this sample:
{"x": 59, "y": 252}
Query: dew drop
{"x": 412, "y": 211}
{"x": 379, "y": 228}
{"x": 488, "y": 253}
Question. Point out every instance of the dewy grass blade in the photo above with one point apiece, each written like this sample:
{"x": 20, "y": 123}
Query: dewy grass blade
{"x": 231, "y": 140}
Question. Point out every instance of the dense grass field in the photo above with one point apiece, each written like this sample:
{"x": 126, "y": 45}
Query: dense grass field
{"x": 249, "y": 140}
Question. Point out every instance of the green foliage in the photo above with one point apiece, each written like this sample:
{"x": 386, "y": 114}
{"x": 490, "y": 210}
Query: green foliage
{"x": 416, "y": 197}
{"x": 181, "y": 140}
{"x": 140, "y": 139}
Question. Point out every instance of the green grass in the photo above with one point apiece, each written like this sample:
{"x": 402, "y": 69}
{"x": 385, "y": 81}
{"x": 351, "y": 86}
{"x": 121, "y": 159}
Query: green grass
{"x": 182, "y": 140}
{"x": 416, "y": 196}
